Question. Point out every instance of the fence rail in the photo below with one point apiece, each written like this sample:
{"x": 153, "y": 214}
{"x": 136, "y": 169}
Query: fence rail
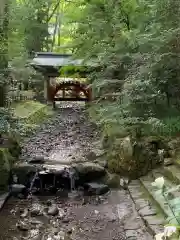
{"x": 16, "y": 96}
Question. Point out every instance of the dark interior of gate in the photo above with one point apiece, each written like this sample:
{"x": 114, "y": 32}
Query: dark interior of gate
{"x": 72, "y": 91}
{"x": 69, "y": 89}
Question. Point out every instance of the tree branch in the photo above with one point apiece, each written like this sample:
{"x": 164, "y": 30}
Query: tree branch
{"x": 55, "y": 8}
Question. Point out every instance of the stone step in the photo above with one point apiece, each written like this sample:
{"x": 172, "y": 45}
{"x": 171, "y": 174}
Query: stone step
{"x": 169, "y": 204}
{"x": 177, "y": 163}
{"x": 145, "y": 206}
{"x": 172, "y": 173}
{"x": 156, "y": 195}
{"x": 160, "y": 173}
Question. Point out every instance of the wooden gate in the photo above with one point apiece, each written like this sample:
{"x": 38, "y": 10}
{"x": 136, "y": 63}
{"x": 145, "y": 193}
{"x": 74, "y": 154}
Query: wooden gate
{"x": 69, "y": 91}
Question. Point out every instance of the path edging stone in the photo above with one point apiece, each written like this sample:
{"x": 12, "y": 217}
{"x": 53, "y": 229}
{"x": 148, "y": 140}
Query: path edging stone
{"x": 145, "y": 209}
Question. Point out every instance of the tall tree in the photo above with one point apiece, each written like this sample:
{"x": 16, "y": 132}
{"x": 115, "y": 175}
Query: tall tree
{"x": 4, "y": 21}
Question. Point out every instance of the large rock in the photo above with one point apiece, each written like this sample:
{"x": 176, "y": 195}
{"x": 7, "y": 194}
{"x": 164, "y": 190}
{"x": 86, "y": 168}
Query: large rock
{"x": 96, "y": 188}
{"x": 112, "y": 180}
{"x": 24, "y": 171}
{"x": 89, "y": 171}
{"x": 134, "y": 159}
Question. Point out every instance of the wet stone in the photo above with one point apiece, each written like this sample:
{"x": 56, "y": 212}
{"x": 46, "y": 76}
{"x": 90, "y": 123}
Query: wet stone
{"x": 23, "y": 226}
{"x": 63, "y": 193}
{"x": 25, "y": 213}
{"x": 153, "y": 220}
{"x": 34, "y": 234}
{"x": 96, "y": 188}
{"x": 17, "y": 188}
{"x": 89, "y": 171}
{"x": 53, "y": 210}
{"x": 66, "y": 220}
{"x": 132, "y": 234}
{"x": 36, "y": 210}
{"x": 168, "y": 161}
{"x": 156, "y": 228}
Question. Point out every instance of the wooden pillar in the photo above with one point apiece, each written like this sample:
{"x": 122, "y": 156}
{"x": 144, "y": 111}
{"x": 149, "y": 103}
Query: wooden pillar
{"x": 46, "y": 88}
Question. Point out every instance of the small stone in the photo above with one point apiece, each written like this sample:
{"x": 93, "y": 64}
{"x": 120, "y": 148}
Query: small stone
{"x": 96, "y": 212}
{"x": 22, "y": 226}
{"x": 36, "y": 222}
{"x": 25, "y": 213}
{"x": 36, "y": 210}
{"x": 69, "y": 231}
{"x": 91, "y": 156}
{"x": 124, "y": 183}
{"x": 34, "y": 234}
{"x": 53, "y": 210}
{"x": 168, "y": 161}
{"x": 65, "y": 220}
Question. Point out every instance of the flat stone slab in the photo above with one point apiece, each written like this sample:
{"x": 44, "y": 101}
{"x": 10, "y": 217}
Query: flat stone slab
{"x": 132, "y": 234}
{"x": 133, "y": 224}
{"x": 157, "y": 228}
{"x": 55, "y": 168}
{"x": 141, "y": 203}
{"x": 147, "y": 211}
{"x": 154, "y": 220}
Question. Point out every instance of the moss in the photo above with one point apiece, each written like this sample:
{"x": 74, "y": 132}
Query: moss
{"x": 31, "y": 114}
{"x": 112, "y": 180}
{"x": 133, "y": 159}
{"x": 6, "y": 161}
{"x": 14, "y": 148}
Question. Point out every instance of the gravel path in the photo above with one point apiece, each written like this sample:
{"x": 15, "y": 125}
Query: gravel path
{"x": 67, "y": 137}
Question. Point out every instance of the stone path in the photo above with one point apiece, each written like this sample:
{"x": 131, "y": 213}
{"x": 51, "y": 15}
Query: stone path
{"x": 67, "y": 138}
{"x": 115, "y": 218}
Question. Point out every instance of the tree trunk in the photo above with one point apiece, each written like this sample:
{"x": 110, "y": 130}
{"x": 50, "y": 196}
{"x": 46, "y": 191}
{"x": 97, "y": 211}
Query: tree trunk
{"x": 4, "y": 22}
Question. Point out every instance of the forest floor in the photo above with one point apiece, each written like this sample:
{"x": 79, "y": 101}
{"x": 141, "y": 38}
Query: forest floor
{"x": 66, "y": 138}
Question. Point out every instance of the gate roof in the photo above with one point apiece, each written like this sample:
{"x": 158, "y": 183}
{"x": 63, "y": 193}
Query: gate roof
{"x": 49, "y": 59}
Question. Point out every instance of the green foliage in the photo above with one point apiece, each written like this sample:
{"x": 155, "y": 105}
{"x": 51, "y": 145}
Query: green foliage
{"x": 137, "y": 89}
{"x": 30, "y": 115}
{"x": 6, "y": 161}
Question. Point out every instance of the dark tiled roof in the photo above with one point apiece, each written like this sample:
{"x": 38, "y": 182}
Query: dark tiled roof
{"x": 57, "y": 60}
